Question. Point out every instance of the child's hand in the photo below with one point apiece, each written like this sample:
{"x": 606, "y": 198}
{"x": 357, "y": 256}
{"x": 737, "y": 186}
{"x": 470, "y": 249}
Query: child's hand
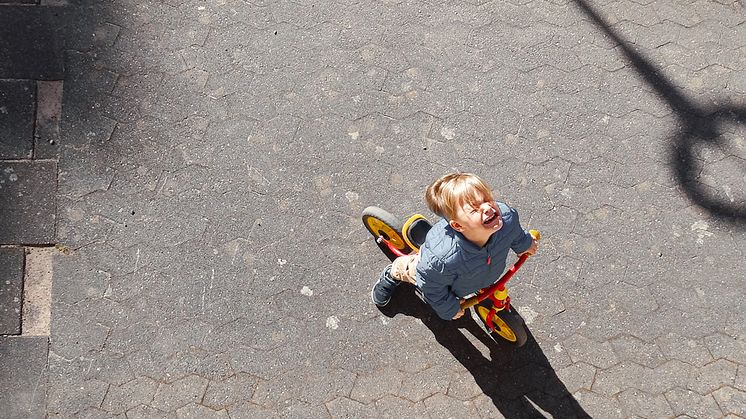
{"x": 459, "y": 314}
{"x": 531, "y": 250}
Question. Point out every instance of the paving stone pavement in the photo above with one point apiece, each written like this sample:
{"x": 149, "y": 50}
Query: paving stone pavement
{"x": 214, "y": 158}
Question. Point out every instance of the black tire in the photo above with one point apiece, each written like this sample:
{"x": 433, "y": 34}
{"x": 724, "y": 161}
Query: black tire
{"x": 380, "y": 222}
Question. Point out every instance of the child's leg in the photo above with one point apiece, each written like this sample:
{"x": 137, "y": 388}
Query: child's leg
{"x": 402, "y": 270}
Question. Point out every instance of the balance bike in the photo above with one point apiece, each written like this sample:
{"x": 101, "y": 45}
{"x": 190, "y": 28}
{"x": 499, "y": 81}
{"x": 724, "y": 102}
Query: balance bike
{"x": 489, "y": 306}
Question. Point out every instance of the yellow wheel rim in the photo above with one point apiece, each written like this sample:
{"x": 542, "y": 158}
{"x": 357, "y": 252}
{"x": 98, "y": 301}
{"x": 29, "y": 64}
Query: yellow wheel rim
{"x": 390, "y": 234}
{"x": 499, "y": 326}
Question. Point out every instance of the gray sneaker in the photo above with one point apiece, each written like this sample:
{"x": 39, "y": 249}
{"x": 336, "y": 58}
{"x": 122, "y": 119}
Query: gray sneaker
{"x": 384, "y": 288}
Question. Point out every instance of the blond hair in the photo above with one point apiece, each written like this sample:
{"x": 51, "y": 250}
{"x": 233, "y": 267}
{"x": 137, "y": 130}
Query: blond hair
{"x": 450, "y": 192}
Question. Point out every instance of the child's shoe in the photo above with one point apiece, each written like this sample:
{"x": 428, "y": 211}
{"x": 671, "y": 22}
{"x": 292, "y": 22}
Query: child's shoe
{"x": 384, "y": 288}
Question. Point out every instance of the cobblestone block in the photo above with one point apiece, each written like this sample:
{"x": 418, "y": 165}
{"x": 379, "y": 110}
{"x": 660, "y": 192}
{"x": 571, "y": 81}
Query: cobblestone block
{"x": 578, "y": 376}
{"x": 147, "y": 412}
{"x": 464, "y": 387}
{"x": 122, "y": 398}
{"x": 17, "y": 108}
{"x": 196, "y": 411}
{"x": 713, "y": 376}
{"x": 599, "y": 407}
{"x": 687, "y": 402}
{"x": 28, "y": 203}
{"x": 440, "y": 405}
{"x": 636, "y": 402}
{"x": 250, "y": 410}
{"x": 684, "y": 349}
{"x": 371, "y": 387}
{"x": 23, "y": 376}
{"x": 170, "y": 397}
{"x": 87, "y": 337}
{"x": 634, "y": 350}
{"x": 393, "y": 407}
{"x": 616, "y": 379}
{"x": 345, "y": 408}
{"x": 582, "y": 349}
{"x": 230, "y": 391}
{"x": 731, "y": 401}
{"x": 423, "y": 384}
{"x": 11, "y": 289}
{"x": 32, "y": 47}
{"x": 722, "y": 346}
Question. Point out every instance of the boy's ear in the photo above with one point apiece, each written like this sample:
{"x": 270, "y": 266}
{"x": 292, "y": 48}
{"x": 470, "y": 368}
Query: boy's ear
{"x": 456, "y": 226}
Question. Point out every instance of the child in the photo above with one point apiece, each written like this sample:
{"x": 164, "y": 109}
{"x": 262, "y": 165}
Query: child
{"x": 463, "y": 252}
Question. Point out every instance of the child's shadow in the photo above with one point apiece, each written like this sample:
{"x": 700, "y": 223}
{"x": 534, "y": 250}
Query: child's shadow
{"x": 517, "y": 379}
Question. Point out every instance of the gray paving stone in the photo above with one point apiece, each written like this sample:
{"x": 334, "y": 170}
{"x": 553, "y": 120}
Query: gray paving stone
{"x": 371, "y": 387}
{"x": 597, "y": 406}
{"x": 122, "y": 398}
{"x": 577, "y": 376}
{"x": 32, "y": 47}
{"x": 585, "y": 350}
{"x": 391, "y": 407}
{"x": 722, "y": 346}
{"x": 316, "y": 100}
{"x": 12, "y": 261}
{"x": 684, "y": 349}
{"x": 632, "y": 349}
{"x": 194, "y": 410}
{"x": 146, "y": 412}
{"x": 346, "y": 408}
{"x": 17, "y": 110}
{"x": 170, "y": 397}
{"x": 86, "y": 338}
{"x": 23, "y": 378}
{"x": 713, "y": 376}
{"x": 249, "y": 410}
{"x": 231, "y": 391}
{"x": 635, "y": 402}
{"x": 687, "y": 402}
{"x": 731, "y": 401}
{"x": 27, "y": 193}
{"x": 440, "y": 405}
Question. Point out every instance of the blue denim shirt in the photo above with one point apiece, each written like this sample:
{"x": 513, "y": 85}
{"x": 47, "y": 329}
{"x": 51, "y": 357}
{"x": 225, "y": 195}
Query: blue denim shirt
{"x": 452, "y": 267}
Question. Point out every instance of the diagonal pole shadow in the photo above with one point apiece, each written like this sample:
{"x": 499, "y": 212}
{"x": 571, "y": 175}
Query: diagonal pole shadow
{"x": 700, "y": 126}
{"x": 520, "y": 382}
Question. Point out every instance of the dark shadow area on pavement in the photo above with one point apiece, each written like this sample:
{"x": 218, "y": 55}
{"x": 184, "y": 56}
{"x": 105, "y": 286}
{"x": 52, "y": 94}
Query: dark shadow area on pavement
{"x": 516, "y": 379}
{"x": 700, "y": 127}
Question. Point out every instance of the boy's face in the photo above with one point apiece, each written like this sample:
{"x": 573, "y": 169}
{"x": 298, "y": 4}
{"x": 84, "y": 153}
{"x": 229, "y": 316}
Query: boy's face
{"x": 477, "y": 221}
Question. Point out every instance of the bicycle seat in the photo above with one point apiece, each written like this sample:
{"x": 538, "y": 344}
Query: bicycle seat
{"x": 414, "y": 231}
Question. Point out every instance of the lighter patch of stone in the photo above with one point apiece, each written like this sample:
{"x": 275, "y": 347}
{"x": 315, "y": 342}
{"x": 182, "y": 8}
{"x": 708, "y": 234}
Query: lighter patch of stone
{"x": 729, "y": 193}
{"x": 281, "y": 262}
{"x": 354, "y": 135}
{"x": 448, "y": 133}
{"x": 528, "y": 314}
{"x": 37, "y": 292}
{"x": 332, "y": 322}
{"x": 701, "y": 228}
{"x": 306, "y": 291}
{"x": 352, "y": 196}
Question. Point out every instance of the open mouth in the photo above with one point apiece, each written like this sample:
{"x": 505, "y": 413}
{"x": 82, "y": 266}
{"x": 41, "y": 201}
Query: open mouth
{"x": 490, "y": 219}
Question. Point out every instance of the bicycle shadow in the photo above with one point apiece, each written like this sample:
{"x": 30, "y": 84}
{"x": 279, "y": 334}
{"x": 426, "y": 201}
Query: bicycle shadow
{"x": 701, "y": 126}
{"x": 520, "y": 381}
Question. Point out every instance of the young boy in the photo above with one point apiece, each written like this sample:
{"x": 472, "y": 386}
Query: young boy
{"x": 463, "y": 252}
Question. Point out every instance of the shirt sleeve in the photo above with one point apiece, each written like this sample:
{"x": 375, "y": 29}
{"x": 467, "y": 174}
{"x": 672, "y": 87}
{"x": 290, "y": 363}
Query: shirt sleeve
{"x": 523, "y": 238}
{"x": 436, "y": 285}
